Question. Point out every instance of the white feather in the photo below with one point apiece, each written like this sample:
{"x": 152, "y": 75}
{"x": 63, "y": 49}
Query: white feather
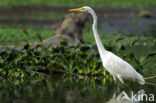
{"x": 116, "y": 66}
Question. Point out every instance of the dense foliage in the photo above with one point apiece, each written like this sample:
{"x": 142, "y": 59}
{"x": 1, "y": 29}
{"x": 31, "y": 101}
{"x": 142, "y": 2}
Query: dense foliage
{"x": 77, "y": 60}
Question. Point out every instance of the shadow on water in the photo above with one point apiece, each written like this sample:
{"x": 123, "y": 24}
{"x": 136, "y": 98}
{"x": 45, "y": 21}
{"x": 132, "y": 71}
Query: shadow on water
{"x": 69, "y": 90}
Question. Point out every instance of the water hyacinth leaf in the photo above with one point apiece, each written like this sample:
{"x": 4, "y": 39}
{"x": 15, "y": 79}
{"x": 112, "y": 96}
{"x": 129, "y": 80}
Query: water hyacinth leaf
{"x": 142, "y": 60}
{"x": 151, "y": 54}
{"x": 83, "y": 55}
{"x": 84, "y": 48}
{"x": 119, "y": 38}
{"x": 1, "y": 60}
{"x": 109, "y": 48}
{"x": 76, "y": 60}
{"x": 29, "y": 67}
{"x": 133, "y": 43}
{"x": 17, "y": 59}
{"x": 120, "y": 47}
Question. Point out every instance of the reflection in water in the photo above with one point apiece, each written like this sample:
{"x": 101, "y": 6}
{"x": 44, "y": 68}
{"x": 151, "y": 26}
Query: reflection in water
{"x": 124, "y": 98}
{"x": 67, "y": 90}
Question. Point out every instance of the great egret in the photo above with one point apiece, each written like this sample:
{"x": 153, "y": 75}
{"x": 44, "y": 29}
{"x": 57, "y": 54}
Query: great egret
{"x": 115, "y": 65}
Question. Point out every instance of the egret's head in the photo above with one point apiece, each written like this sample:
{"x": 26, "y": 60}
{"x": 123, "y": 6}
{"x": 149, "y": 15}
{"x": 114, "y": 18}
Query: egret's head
{"x": 85, "y": 8}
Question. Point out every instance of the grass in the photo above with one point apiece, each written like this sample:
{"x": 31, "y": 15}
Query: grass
{"x": 34, "y": 64}
{"x": 114, "y": 3}
{"x": 35, "y": 15}
{"x": 11, "y": 34}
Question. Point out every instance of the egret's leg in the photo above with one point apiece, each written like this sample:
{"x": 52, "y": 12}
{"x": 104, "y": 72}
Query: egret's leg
{"x": 125, "y": 86}
{"x": 121, "y": 80}
{"x": 114, "y": 80}
{"x": 115, "y": 84}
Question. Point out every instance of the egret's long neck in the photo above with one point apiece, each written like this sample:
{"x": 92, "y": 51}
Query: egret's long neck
{"x": 101, "y": 49}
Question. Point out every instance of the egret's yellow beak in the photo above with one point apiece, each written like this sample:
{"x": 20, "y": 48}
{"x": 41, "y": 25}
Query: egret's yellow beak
{"x": 73, "y": 10}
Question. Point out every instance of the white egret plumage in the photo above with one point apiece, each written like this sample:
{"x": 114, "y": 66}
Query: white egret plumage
{"x": 115, "y": 65}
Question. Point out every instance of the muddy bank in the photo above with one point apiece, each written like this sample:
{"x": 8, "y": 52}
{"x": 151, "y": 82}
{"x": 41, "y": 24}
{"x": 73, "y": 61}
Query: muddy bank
{"x": 111, "y": 20}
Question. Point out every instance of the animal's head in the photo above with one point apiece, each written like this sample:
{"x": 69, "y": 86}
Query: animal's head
{"x": 85, "y": 8}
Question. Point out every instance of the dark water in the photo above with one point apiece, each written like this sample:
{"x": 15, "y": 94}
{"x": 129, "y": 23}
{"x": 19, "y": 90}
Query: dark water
{"x": 111, "y": 20}
{"x": 126, "y": 21}
{"x": 70, "y": 90}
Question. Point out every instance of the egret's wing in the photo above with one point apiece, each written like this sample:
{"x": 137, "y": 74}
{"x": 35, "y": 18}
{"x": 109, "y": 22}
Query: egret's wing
{"x": 118, "y": 66}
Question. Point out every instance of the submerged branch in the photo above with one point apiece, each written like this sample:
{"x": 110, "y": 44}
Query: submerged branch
{"x": 1, "y": 77}
{"x": 150, "y": 77}
{"x": 152, "y": 84}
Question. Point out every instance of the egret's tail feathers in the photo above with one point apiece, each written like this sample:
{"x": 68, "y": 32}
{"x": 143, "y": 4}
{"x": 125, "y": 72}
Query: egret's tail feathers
{"x": 140, "y": 79}
{"x": 141, "y": 82}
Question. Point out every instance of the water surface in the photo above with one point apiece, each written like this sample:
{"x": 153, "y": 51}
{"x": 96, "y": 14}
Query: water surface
{"x": 68, "y": 90}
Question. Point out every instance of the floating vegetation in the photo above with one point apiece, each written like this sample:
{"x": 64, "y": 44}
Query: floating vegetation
{"x": 145, "y": 14}
{"x": 77, "y": 60}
